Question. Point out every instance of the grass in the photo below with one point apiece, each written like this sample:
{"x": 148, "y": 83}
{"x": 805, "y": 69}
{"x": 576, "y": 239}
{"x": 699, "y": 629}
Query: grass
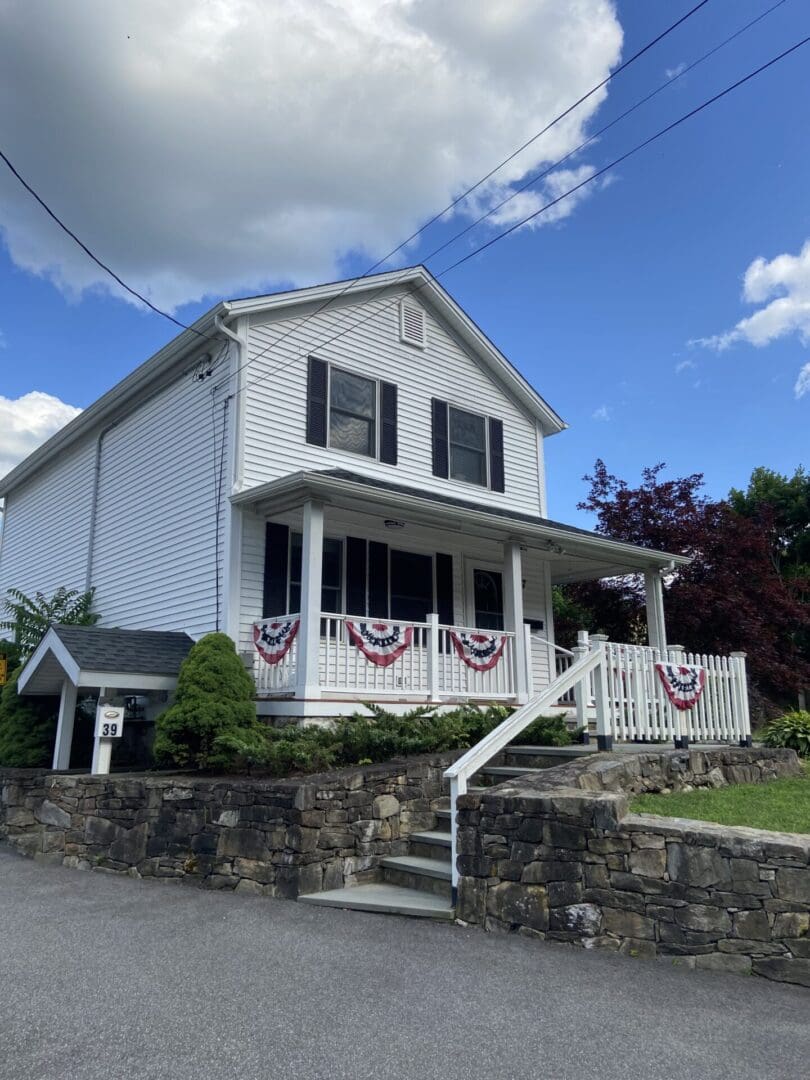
{"x": 779, "y": 805}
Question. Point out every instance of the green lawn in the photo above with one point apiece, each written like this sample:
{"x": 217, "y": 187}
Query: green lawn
{"x": 780, "y": 805}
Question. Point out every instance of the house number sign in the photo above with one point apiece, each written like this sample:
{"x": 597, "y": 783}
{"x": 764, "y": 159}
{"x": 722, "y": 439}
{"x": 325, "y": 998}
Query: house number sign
{"x": 109, "y": 721}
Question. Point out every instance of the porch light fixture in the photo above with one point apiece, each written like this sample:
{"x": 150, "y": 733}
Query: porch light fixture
{"x": 392, "y": 523}
{"x": 551, "y": 546}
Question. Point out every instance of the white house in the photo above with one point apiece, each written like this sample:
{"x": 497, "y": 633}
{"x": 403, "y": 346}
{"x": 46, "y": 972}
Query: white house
{"x": 349, "y": 480}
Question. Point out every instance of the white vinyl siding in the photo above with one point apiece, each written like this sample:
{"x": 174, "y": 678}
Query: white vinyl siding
{"x": 275, "y": 406}
{"x": 45, "y": 526}
{"x": 155, "y": 561}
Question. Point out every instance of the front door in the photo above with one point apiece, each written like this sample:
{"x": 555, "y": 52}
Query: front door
{"x": 487, "y": 597}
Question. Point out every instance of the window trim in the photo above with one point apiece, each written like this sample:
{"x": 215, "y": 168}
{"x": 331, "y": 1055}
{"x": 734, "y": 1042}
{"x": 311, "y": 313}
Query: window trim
{"x": 487, "y": 485}
{"x": 327, "y": 536}
{"x": 377, "y": 419}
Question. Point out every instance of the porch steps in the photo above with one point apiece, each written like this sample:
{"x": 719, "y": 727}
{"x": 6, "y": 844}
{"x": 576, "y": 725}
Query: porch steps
{"x": 386, "y": 899}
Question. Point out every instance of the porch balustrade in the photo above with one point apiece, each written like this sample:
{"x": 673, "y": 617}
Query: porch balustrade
{"x": 430, "y": 667}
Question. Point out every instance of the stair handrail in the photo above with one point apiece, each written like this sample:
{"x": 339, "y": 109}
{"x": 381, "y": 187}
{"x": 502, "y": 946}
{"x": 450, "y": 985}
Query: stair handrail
{"x": 477, "y": 756}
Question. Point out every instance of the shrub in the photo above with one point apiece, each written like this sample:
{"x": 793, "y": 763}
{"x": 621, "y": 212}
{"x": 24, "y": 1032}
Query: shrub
{"x": 27, "y": 728}
{"x": 30, "y": 616}
{"x": 791, "y": 730}
{"x": 212, "y": 722}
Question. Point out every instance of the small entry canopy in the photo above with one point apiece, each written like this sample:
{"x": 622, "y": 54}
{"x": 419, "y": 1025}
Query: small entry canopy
{"x": 99, "y": 656}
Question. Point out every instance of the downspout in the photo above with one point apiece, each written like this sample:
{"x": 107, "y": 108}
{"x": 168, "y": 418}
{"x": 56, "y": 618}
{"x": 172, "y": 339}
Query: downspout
{"x": 91, "y": 537}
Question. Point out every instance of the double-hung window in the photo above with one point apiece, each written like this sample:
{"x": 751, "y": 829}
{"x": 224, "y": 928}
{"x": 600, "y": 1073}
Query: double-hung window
{"x": 468, "y": 446}
{"x": 352, "y": 413}
{"x": 331, "y": 574}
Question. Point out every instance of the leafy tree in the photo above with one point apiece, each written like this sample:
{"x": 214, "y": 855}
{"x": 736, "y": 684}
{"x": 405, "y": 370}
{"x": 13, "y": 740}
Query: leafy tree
{"x": 27, "y": 728}
{"x": 30, "y": 617}
{"x": 782, "y": 505}
{"x": 212, "y": 722}
{"x": 731, "y": 597}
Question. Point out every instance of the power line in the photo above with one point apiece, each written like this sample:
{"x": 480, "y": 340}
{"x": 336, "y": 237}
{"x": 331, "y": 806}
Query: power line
{"x": 91, "y": 255}
{"x": 553, "y": 202}
{"x": 474, "y": 187}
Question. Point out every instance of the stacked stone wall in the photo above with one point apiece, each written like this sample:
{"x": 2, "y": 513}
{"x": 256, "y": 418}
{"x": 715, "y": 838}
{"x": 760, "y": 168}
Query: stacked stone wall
{"x": 557, "y": 855}
{"x": 274, "y": 838}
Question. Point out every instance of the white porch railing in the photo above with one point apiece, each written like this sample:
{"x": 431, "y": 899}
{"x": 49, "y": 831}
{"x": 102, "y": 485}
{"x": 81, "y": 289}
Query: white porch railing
{"x": 430, "y": 668}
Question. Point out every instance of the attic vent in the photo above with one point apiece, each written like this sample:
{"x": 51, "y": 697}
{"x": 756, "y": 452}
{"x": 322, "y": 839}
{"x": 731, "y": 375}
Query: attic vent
{"x": 412, "y": 324}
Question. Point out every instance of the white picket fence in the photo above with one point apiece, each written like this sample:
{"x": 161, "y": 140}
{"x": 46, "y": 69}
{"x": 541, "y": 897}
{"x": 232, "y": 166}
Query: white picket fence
{"x": 635, "y": 706}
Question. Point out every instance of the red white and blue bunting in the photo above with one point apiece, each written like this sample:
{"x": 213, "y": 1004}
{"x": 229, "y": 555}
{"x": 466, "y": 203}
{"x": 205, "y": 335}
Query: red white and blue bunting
{"x": 273, "y": 639}
{"x": 683, "y": 683}
{"x": 380, "y": 642}
{"x": 478, "y": 651}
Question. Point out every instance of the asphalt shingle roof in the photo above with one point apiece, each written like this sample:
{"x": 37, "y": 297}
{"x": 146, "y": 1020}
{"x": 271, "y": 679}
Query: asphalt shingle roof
{"x": 105, "y": 648}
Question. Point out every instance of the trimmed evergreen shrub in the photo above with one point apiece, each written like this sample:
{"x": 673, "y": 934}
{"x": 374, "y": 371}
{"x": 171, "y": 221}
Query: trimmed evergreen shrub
{"x": 212, "y": 722}
{"x": 27, "y": 728}
{"x": 791, "y": 730}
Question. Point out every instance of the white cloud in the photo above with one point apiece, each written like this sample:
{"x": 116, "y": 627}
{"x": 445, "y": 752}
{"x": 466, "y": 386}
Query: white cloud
{"x": 785, "y": 282}
{"x": 684, "y": 365}
{"x": 604, "y": 412}
{"x": 26, "y": 422}
{"x": 674, "y": 72}
{"x": 802, "y": 386}
{"x": 212, "y": 147}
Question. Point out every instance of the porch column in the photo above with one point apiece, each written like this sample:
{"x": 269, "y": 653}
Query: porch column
{"x": 64, "y": 726}
{"x": 308, "y": 683}
{"x": 513, "y": 614}
{"x": 656, "y": 626}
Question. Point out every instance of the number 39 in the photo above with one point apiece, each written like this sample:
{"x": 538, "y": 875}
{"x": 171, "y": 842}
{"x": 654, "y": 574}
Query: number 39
{"x": 109, "y": 731}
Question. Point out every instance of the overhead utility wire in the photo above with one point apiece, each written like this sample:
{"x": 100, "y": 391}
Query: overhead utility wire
{"x": 468, "y": 191}
{"x": 94, "y": 257}
{"x": 553, "y": 202}
{"x": 184, "y": 326}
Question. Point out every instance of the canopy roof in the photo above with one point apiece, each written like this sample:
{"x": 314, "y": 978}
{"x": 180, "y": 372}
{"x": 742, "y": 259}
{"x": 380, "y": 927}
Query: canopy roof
{"x": 104, "y": 656}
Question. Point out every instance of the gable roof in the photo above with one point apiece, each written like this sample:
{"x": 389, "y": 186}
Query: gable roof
{"x": 162, "y": 368}
{"x": 85, "y": 654}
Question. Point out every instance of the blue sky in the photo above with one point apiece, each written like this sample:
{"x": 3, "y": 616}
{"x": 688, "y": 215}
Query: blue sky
{"x": 597, "y": 309}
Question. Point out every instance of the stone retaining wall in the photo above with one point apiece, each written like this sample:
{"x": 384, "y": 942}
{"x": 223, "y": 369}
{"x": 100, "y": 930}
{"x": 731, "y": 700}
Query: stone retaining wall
{"x": 557, "y": 855}
{"x": 274, "y": 838}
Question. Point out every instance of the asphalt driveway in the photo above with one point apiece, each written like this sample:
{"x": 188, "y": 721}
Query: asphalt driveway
{"x": 107, "y": 977}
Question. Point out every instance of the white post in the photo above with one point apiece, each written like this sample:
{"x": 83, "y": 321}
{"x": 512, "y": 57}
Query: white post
{"x": 309, "y": 634}
{"x": 604, "y": 728}
{"x": 741, "y": 702}
{"x": 580, "y": 651}
{"x": 529, "y": 672}
{"x": 513, "y": 613}
{"x": 433, "y": 656}
{"x": 656, "y": 624}
{"x": 64, "y": 726}
{"x": 102, "y": 748}
{"x": 458, "y": 786}
{"x": 675, "y": 655}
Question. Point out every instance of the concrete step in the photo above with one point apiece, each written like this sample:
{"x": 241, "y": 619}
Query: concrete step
{"x": 386, "y": 899}
{"x": 442, "y": 817}
{"x": 429, "y": 875}
{"x": 434, "y": 837}
{"x": 576, "y": 750}
{"x": 504, "y": 772}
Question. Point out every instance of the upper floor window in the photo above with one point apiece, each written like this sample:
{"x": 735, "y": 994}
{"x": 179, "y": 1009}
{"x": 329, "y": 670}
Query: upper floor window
{"x": 352, "y": 413}
{"x": 468, "y": 447}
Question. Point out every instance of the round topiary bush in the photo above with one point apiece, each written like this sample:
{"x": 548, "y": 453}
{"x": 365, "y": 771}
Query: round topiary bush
{"x": 212, "y": 721}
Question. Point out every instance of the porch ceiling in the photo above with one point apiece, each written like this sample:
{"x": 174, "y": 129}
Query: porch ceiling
{"x": 573, "y": 554}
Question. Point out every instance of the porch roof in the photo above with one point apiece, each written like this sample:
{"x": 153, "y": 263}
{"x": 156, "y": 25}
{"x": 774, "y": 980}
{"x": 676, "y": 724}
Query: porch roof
{"x": 574, "y": 554}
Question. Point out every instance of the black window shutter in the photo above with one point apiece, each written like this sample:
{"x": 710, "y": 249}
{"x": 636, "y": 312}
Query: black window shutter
{"x": 444, "y": 589}
{"x": 317, "y": 378}
{"x": 388, "y": 423}
{"x": 440, "y": 452}
{"x": 356, "y": 564}
{"x": 276, "y": 550}
{"x": 496, "y": 475}
{"x": 377, "y": 580}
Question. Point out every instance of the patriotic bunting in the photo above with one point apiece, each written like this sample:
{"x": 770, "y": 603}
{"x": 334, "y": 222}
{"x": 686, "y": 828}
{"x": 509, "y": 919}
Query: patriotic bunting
{"x": 683, "y": 683}
{"x": 380, "y": 642}
{"x": 273, "y": 639}
{"x": 478, "y": 651}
